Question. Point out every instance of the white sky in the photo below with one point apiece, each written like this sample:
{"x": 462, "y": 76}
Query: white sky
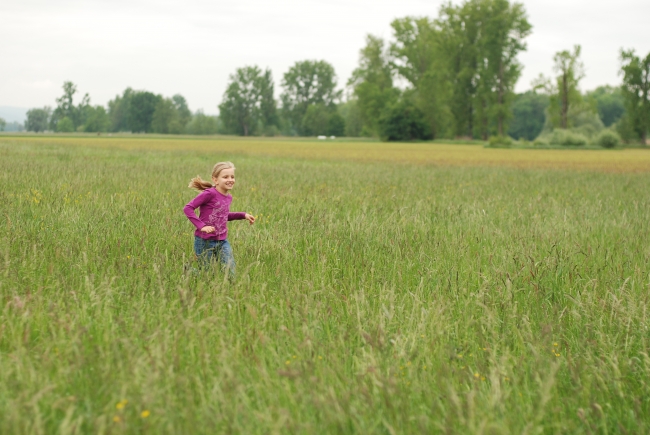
{"x": 190, "y": 47}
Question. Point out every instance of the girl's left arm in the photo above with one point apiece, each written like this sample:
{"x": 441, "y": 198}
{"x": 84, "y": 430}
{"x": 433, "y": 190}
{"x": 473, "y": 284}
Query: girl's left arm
{"x": 236, "y": 216}
{"x": 240, "y": 216}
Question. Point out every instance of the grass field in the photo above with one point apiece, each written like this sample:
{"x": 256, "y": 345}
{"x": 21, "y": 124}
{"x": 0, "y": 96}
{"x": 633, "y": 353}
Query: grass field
{"x": 386, "y": 288}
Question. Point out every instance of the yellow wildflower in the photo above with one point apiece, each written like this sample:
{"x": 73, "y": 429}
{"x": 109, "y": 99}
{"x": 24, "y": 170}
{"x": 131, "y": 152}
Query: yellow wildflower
{"x": 145, "y": 413}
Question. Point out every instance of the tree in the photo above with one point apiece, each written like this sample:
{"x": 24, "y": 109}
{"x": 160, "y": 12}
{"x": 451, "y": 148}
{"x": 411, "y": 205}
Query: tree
{"x": 203, "y": 124}
{"x": 335, "y": 124}
{"x": 403, "y": 121}
{"x": 3, "y": 124}
{"x": 315, "y": 121}
{"x": 184, "y": 113}
{"x": 166, "y": 118}
{"x": 248, "y": 101}
{"x": 528, "y": 111}
{"x": 38, "y": 119}
{"x": 504, "y": 28}
{"x": 268, "y": 106}
{"x": 351, "y": 115}
{"x": 565, "y": 97}
{"x": 372, "y": 84}
{"x": 96, "y": 120}
{"x": 416, "y": 57}
{"x": 609, "y": 102}
{"x": 458, "y": 48}
{"x": 65, "y": 125}
{"x": 306, "y": 83}
{"x": 66, "y": 108}
{"x": 478, "y": 43}
{"x": 119, "y": 109}
{"x": 141, "y": 109}
{"x": 636, "y": 91}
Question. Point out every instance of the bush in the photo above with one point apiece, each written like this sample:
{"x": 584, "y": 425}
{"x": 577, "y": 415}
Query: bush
{"x": 500, "y": 141}
{"x": 403, "y": 121}
{"x": 608, "y": 139}
{"x": 625, "y": 129}
{"x": 335, "y": 125}
{"x": 567, "y": 138}
{"x": 65, "y": 125}
{"x": 270, "y": 131}
{"x": 203, "y": 124}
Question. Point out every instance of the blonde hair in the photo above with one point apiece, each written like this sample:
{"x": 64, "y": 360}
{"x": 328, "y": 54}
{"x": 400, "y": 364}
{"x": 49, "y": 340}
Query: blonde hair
{"x": 200, "y": 184}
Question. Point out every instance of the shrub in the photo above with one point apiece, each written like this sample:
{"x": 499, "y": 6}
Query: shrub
{"x": 608, "y": 139}
{"x": 567, "y": 138}
{"x": 65, "y": 125}
{"x": 403, "y": 121}
{"x": 499, "y": 141}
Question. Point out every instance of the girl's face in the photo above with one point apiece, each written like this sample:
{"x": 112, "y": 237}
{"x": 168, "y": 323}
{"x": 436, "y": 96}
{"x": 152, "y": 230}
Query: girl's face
{"x": 225, "y": 181}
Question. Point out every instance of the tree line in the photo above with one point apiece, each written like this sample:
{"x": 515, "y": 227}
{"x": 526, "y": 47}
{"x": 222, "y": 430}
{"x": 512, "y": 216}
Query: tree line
{"x": 133, "y": 111}
{"x": 447, "y": 77}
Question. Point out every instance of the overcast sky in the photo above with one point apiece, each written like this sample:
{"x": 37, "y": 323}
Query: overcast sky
{"x": 190, "y": 47}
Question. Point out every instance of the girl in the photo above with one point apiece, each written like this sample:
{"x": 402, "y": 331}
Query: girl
{"x": 210, "y": 237}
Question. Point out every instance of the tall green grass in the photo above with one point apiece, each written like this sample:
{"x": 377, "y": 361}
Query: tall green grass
{"x": 370, "y": 298}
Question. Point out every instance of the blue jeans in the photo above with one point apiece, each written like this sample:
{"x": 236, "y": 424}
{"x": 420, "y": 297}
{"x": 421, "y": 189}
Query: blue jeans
{"x": 209, "y": 251}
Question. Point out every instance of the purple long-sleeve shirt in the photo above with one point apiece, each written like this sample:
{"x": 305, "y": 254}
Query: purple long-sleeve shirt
{"x": 214, "y": 211}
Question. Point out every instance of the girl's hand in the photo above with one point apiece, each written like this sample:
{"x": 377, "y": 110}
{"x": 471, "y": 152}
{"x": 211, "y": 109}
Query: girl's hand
{"x": 208, "y": 229}
{"x": 250, "y": 218}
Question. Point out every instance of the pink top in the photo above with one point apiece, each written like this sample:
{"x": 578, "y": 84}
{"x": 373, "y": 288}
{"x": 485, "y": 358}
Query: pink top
{"x": 214, "y": 211}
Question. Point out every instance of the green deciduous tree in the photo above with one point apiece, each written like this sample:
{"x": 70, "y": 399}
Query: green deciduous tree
{"x": 65, "y": 125}
{"x": 480, "y": 41}
{"x": 315, "y": 121}
{"x": 351, "y": 115}
{"x": 636, "y": 91}
{"x": 96, "y": 120}
{"x": 372, "y": 84}
{"x": 66, "y": 109}
{"x": 335, "y": 124}
{"x": 306, "y": 83}
{"x": 184, "y": 113}
{"x": 166, "y": 118}
{"x": 248, "y": 102}
{"x": 609, "y": 102}
{"x": 504, "y": 27}
{"x": 38, "y": 119}
{"x": 565, "y": 98}
{"x": 459, "y": 35}
{"x": 529, "y": 116}
{"x": 203, "y": 124}
{"x": 118, "y": 111}
{"x": 3, "y": 124}
{"x": 416, "y": 57}
{"x": 142, "y": 106}
{"x": 404, "y": 121}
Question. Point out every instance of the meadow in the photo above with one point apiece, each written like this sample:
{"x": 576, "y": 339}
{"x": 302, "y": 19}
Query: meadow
{"x": 385, "y": 289}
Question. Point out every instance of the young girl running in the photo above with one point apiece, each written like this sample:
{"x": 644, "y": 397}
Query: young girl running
{"x": 210, "y": 237}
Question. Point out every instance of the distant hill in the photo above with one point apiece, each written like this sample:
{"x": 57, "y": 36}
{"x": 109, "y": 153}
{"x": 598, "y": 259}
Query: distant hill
{"x": 13, "y": 114}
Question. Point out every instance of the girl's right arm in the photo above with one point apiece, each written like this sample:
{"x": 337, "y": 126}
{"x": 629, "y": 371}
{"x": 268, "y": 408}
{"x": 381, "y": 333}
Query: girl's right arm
{"x": 200, "y": 199}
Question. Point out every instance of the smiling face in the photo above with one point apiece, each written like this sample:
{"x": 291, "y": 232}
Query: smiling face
{"x": 225, "y": 181}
